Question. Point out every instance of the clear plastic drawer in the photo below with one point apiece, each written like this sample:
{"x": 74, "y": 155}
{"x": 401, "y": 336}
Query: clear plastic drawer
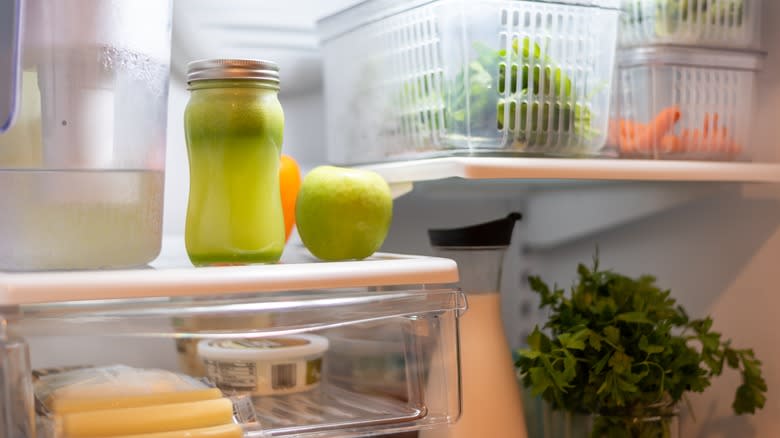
{"x": 345, "y": 360}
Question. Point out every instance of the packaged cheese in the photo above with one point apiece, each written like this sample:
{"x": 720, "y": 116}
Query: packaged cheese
{"x": 121, "y": 401}
{"x": 114, "y": 381}
{"x": 227, "y": 431}
{"x": 144, "y": 420}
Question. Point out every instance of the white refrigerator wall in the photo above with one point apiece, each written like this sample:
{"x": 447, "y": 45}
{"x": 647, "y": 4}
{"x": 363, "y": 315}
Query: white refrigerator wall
{"x": 719, "y": 254}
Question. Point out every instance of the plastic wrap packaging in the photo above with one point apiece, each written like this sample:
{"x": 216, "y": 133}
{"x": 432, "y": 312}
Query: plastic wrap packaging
{"x": 124, "y": 401}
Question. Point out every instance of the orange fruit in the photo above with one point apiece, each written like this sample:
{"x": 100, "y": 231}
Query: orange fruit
{"x": 289, "y": 185}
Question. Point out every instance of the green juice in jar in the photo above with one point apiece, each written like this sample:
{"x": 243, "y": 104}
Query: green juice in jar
{"x": 234, "y": 127}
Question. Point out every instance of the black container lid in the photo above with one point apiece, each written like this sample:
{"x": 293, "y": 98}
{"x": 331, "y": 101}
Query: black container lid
{"x": 493, "y": 233}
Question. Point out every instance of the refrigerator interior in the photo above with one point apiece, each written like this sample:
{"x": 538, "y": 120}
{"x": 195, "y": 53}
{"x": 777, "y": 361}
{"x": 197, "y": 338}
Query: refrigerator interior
{"x": 716, "y": 246}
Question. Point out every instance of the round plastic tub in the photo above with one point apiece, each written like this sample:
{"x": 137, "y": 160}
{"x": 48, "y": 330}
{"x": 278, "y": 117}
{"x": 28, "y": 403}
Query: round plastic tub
{"x": 265, "y": 366}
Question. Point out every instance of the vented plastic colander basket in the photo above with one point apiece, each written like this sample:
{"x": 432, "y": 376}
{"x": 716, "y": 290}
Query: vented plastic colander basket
{"x": 703, "y": 23}
{"x": 684, "y": 103}
{"x": 418, "y": 79}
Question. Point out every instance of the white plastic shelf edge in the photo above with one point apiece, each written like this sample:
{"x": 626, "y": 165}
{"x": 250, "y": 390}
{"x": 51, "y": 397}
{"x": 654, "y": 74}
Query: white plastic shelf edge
{"x": 185, "y": 280}
{"x": 478, "y": 168}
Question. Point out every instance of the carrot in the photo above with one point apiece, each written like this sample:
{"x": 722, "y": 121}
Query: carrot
{"x": 720, "y": 141}
{"x": 670, "y": 144}
{"x": 613, "y": 132}
{"x": 629, "y": 131}
{"x": 687, "y": 143}
{"x": 619, "y": 128}
{"x": 631, "y": 127}
{"x": 639, "y": 130}
{"x": 662, "y": 123}
{"x": 696, "y": 141}
{"x": 684, "y": 140}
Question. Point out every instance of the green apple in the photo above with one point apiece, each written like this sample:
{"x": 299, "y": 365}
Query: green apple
{"x": 342, "y": 213}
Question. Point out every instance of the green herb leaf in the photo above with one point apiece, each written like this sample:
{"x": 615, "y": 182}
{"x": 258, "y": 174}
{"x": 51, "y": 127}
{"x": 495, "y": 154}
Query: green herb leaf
{"x": 541, "y": 380}
{"x": 538, "y": 341}
{"x": 594, "y": 340}
{"x": 620, "y": 362}
{"x": 574, "y": 341}
{"x": 569, "y": 368}
{"x": 612, "y": 334}
{"x": 634, "y": 317}
{"x": 645, "y": 346}
{"x": 600, "y": 365}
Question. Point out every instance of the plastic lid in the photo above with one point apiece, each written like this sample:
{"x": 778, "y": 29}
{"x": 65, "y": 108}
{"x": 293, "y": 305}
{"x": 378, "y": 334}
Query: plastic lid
{"x": 253, "y": 69}
{"x": 692, "y": 56}
{"x": 487, "y": 234}
{"x": 605, "y": 4}
{"x": 263, "y": 349}
{"x": 370, "y": 11}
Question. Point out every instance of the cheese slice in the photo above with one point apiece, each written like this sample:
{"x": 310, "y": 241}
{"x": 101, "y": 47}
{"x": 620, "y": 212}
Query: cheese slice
{"x": 72, "y": 405}
{"x": 226, "y": 431}
{"x": 148, "y": 419}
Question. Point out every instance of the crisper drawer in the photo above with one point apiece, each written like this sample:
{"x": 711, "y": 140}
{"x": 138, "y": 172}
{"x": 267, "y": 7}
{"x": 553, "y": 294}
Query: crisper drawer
{"x": 415, "y": 79}
{"x": 336, "y": 362}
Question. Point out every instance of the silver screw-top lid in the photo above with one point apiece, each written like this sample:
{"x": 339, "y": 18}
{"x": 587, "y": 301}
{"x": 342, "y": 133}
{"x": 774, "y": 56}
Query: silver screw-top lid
{"x": 253, "y": 69}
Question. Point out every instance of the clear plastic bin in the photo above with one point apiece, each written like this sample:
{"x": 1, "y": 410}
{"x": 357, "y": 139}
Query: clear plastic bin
{"x": 141, "y": 334}
{"x": 417, "y": 79}
{"x": 277, "y": 339}
{"x": 684, "y": 103}
{"x": 709, "y": 23}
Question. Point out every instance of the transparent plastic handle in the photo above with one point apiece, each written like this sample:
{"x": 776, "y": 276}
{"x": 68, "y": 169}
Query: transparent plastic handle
{"x": 10, "y": 48}
{"x": 17, "y": 417}
{"x": 10, "y": 72}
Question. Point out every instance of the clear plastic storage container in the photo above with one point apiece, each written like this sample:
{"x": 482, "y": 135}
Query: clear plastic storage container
{"x": 82, "y": 133}
{"x": 710, "y": 23}
{"x": 418, "y": 78}
{"x": 684, "y": 103}
{"x": 139, "y": 333}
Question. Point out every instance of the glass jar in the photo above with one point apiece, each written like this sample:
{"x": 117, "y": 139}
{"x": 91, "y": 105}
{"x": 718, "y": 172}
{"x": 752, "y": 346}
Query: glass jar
{"x": 660, "y": 420}
{"x": 234, "y": 127}
{"x": 655, "y": 421}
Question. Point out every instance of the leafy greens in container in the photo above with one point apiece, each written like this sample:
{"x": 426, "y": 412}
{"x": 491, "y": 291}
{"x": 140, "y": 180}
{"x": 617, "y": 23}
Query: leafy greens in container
{"x": 691, "y": 18}
{"x": 524, "y": 93}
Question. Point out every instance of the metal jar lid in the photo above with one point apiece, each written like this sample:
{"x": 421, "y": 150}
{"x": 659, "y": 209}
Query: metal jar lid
{"x": 252, "y": 69}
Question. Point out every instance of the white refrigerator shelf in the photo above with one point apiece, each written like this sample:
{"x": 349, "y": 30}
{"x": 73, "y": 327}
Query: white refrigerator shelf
{"x": 172, "y": 275}
{"x": 402, "y": 174}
